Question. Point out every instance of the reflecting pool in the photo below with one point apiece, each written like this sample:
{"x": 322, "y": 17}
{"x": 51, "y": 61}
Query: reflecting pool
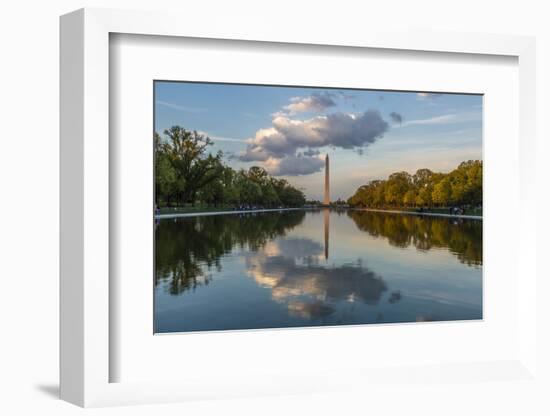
{"x": 314, "y": 267}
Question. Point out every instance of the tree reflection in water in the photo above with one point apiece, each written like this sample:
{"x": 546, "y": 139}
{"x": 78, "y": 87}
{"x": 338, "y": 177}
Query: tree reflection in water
{"x": 461, "y": 237}
{"x": 278, "y": 271}
{"x": 187, "y": 249}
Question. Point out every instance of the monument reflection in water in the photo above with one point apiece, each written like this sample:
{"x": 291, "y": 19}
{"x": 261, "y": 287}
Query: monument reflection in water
{"x": 276, "y": 270}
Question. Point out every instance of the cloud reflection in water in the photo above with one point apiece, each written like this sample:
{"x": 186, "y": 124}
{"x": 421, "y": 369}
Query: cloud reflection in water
{"x": 274, "y": 270}
{"x": 291, "y": 269}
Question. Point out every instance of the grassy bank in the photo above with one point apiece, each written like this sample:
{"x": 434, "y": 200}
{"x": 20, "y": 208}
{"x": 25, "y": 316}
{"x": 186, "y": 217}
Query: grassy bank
{"x": 440, "y": 213}
{"x": 468, "y": 211}
{"x": 191, "y": 209}
{"x": 229, "y": 208}
{"x": 209, "y": 208}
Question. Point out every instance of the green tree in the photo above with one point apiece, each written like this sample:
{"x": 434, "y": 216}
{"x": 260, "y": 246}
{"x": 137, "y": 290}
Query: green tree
{"x": 442, "y": 192}
{"x": 186, "y": 172}
{"x": 422, "y": 177}
{"x": 257, "y": 174}
{"x": 409, "y": 199}
{"x": 473, "y": 186}
{"x": 270, "y": 197}
{"x": 165, "y": 175}
{"x": 425, "y": 188}
{"x": 396, "y": 187}
{"x": 379, "y": 190}
{"x": 249, "y": 191}
{"x": 424, "y": 196}
{"x": 194, "y": 167}
{"x": 230, "y": 186}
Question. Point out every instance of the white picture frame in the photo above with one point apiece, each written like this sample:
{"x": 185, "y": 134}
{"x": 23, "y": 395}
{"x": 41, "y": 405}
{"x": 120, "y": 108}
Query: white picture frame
{"x": 85, "y": 210}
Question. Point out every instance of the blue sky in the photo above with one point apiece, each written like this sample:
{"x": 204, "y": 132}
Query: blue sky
{"x": 368, "y": 134}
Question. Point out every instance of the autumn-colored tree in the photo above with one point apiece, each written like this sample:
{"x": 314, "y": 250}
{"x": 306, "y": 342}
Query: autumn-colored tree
{"x": 462, "y": 186}
{"x": 409, "y": 199}
{"x": 442, "y": 192}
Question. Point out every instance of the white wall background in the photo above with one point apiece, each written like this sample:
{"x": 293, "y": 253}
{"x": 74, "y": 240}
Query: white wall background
{"x": 29, "y": 57}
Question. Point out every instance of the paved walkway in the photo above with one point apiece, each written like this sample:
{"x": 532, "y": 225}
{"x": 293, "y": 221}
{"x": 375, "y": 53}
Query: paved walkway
{"x": 247, "y": 211}
{"x": 426, "y": 214}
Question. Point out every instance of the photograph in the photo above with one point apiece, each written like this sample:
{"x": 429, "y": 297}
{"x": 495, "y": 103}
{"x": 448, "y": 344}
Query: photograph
{"x": 329, "y": 207}
{"x": 290, "y": 206}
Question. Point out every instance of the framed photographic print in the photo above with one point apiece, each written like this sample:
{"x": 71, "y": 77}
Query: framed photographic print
{"x": 299, "y": 209}
{"x": 245, "y": 215}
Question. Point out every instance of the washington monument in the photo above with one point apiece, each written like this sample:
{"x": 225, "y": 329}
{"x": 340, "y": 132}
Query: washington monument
{"x": 326, "y": 200}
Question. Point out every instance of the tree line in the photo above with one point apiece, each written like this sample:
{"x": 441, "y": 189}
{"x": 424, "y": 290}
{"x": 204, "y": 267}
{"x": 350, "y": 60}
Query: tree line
{"x": 186, "y": 173}
{"x": 425, "y": 233}
{"x": 189, "y": 249}
{"x": 461, "y": 187}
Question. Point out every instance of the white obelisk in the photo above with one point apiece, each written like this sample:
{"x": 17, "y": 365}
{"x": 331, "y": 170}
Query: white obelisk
{"x": 326, "y": 201}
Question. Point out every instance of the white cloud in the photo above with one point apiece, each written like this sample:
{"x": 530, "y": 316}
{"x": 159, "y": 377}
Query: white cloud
{"x": 316, "y": 102}
{"x": 294, "y": 165}
{"x": 444, "y": 119}
{"x": 432, "y": 120}
{"x": 286, "y": 136}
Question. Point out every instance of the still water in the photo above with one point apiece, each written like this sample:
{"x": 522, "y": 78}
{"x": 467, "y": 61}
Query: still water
{"x": 311, "y": 268}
